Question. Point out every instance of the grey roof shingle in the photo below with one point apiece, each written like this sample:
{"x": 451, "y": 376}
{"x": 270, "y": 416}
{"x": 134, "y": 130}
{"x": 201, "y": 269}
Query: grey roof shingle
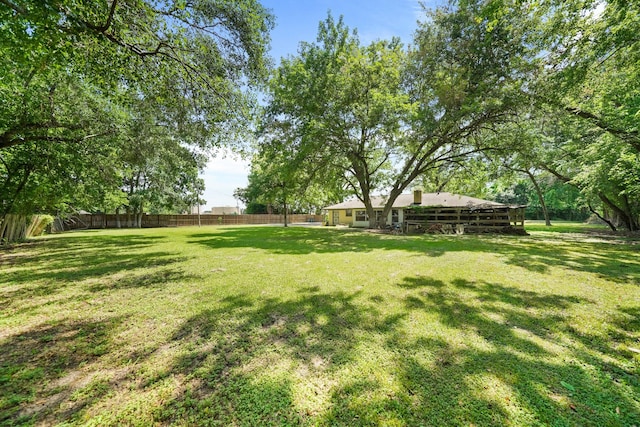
{"x": 448, "y": 200}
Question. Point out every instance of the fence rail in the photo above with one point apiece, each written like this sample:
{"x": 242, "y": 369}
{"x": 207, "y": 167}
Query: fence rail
{"x": 473, "y": 220}
{"x": 84, "y": 221}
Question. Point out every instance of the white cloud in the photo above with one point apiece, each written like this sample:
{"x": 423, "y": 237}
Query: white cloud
{"x": 222, "y": 176}
{"x": 228, "y": 165}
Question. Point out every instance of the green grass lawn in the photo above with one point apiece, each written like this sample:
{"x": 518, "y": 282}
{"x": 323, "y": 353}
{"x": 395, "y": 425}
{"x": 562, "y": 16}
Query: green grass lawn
{"x": 320, "y": 326}
{"x": 566, "y": 227}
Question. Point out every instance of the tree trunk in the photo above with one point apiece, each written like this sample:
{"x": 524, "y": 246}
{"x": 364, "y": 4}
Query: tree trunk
{"x": 118, "y": 225}
{"x": 602, "y": 218}
{"x": 628, "y": 221}
{"x": 370, "y": 213}
{"x": 388, "y": 207}
{"x": 8, "y": 205}
{"x": 130, "y": 207}
{"x": 139, "y": 216}
{"x": 285, "y": 211}
{"x": 366, "y": 199}
{"x": 633, "y": 223}
{"x": 545, "y": 212}
{"x": 359, "y": 170}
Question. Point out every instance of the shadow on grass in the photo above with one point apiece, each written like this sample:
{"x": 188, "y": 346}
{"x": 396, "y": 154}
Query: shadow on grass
{"x": 37, "y": 286}
{"x": 489, "y": 355}
{"x": 614, "y": 261}
{"x": 315, "y": 326}
{"x": 88, "y": 266}
{"x": 520, "y": 331}
{"x": 244, "y": 353}
{"x": 301, "y": 241}
{"x": 620, "y": 339}
{"x": 39, "y": 368}
{"x": 113, "y": 262}
{"x": 73, "y": 245}
{"x": 156, "y": 279}
{"x": 454, "y": 353}
{"x": 246, "y": 361}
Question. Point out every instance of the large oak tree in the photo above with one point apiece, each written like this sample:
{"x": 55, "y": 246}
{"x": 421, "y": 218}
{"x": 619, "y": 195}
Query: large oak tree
{"x": 79, "y": 76}
{"x": 385, "y": 115}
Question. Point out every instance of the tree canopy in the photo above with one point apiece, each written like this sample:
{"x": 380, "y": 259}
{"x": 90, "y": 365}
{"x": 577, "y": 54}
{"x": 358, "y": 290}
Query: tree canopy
{"x": 91, "y": 83}
{"x": 546, "y": 91}
{"x": 384, "y": 115}
{"x": 114, "y": 104}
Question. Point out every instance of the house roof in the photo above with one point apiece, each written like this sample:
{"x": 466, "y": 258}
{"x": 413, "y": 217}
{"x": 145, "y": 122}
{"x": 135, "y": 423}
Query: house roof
{"x": 447, "y": 200}
{"x": 225, "y": 210}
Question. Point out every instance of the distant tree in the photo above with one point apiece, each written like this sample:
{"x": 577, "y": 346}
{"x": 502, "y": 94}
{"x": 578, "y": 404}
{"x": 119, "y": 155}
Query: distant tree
{"x": 577, "y": 153}
{"x": 287, "y": 178}
{"x": 600, "y": 87}
{"x": 343, "y": 106}
{"x": 590, "y": 86}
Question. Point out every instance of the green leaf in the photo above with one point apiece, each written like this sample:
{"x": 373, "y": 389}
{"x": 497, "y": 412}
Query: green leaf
{"x": 568, "y": 386}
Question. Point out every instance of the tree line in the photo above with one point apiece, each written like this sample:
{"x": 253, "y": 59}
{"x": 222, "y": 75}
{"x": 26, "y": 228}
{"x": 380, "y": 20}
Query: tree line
{"x": 488, "y": 95}
{"x": 115, "y": 105}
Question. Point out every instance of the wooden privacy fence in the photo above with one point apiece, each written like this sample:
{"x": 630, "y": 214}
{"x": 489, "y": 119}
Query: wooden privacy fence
{"x": 83, "y": 221}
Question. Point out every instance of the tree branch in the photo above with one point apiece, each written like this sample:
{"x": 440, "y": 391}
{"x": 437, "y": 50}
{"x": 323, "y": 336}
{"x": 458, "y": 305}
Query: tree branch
{"x": 14, "y": 7}
{"x": 557, "y": 174}
{"x": 631, "y": 137}
{"x": 106, "y": 25}
{"x": 8, "y": 139}
{"x": 609, "y": 223}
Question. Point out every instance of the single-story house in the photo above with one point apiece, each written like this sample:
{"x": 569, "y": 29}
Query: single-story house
{"x": 425, "y": 209}
{"x": 224, "y": 210}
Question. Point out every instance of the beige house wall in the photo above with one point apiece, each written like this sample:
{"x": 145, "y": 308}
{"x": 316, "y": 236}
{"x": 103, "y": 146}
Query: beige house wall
{"x": 341, "y": 217}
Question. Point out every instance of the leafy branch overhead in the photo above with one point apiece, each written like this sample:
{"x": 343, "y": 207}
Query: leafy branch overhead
{"x": 202, "y": 51}
{"x": 92, "y": 81}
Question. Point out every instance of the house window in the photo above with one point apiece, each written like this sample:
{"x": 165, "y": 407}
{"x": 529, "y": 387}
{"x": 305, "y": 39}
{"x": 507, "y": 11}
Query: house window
{"x": 361, "y": 216}
{"x": 347, "y": 212}
{"x": 379, "y": 217}
{"x": 394, "y": 216}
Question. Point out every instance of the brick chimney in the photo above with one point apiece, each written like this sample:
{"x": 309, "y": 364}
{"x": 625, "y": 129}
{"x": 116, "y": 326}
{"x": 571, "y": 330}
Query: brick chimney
{"x": 417, "y": 197}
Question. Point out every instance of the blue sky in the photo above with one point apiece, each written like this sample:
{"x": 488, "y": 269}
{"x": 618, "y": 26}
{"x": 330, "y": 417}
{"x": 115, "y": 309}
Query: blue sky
{"x": 296, "y": 21}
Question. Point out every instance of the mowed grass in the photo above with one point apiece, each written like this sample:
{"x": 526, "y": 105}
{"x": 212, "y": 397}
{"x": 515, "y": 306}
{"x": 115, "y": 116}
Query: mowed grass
{"x": 320, "y": 326}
